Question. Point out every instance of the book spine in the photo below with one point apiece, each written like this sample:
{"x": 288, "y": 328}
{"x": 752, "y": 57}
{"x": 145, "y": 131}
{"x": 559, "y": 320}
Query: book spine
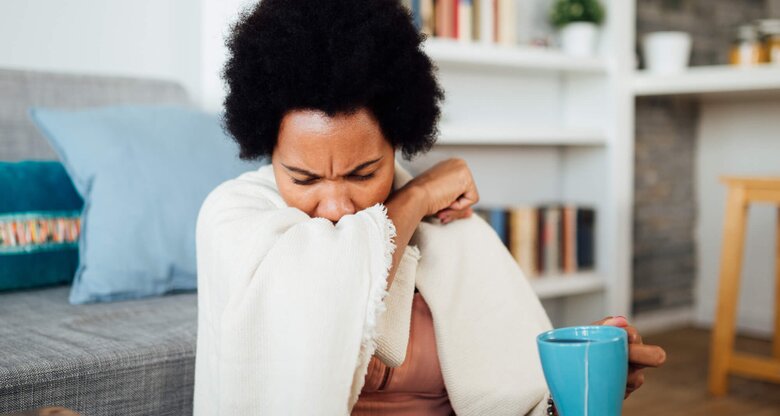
{"x": 416, "y": 14}
{"x": 540, "y": 239}
{"x": 426, "y": 11}
{"x": 485, "y": 20}
{"x": 498, "y": 222}
{"x": 455, "y": 6}
{"x": 531, "y": 240}
{"x": 570, "y": 263}
{"x": 527, "y": 250}
{"x": 515, "y": 237}
{"x": 507, "y": 22}
{"x": 439, "y": 17}
{"x": 464, "y": 20}
{"x": 552, "y": 237}
{"x": 585, "y": 238}
{"x": 496, "y": 23}
{"x": 475, "y": 16}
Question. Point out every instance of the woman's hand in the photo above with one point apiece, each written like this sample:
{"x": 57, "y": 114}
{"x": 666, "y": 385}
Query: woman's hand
{"x": 639, "y": 354}
{"x": 449, "y": 190}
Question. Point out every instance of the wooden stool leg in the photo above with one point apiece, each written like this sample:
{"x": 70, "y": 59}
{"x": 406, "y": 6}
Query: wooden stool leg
{"x": 722, "y": 345}
{"x": 776, "y": 341}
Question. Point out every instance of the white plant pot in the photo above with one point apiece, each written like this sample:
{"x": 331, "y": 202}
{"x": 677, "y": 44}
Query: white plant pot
{"x": 667, "y": 52}
{"x": 579, "y": 38}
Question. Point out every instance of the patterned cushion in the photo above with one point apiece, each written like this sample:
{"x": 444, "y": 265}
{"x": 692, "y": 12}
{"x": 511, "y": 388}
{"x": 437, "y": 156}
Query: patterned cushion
{"x": 39, "y": 225}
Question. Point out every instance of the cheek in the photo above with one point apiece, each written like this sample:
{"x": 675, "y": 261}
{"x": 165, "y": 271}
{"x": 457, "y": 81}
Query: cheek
{"x": 375, "y": 192}
{"x": 296, "y": 196}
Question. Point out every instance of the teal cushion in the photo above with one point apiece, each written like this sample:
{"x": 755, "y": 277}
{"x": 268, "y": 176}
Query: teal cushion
{"x": 143, "y": 172}
{"x": 39, "y": 225}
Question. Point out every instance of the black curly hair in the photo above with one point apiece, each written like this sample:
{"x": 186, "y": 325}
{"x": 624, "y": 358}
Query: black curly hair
{"x": 335, "y": 56}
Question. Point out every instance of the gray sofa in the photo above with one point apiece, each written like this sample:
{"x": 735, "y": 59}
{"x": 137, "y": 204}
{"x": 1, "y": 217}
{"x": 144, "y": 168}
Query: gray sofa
{"x": 122, "y": 358}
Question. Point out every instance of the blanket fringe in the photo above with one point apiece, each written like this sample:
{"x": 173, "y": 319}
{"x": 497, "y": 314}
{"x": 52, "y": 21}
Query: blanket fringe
{"x": 375, "y": 305}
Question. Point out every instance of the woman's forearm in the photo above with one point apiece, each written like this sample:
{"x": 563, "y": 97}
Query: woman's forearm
{"x": 406, "y": 208}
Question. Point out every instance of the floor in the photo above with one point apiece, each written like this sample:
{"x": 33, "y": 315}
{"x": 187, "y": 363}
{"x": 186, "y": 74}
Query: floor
{"x": 679, "y": 387}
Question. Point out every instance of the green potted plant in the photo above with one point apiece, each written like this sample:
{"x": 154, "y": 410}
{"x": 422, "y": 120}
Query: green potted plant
{"x": 578, "y": 23}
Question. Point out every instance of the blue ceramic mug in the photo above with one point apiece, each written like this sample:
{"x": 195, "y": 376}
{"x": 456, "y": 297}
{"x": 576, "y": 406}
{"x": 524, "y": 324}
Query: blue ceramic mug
{"x": 586, "y": 369}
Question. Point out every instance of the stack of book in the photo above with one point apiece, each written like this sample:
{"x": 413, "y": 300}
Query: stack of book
{"x": 489, "y": 21}
{"x": 548, "y": 239}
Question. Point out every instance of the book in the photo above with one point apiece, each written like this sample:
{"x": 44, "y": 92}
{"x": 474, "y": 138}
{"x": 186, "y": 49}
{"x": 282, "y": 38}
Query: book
{"x": 443, "y": 18}
{"x": 522, "y": 239}
{"x": 586, "y": 221}
{"x": 484, "y": 20}
{"x": 427, "y": 17}
{"x": 454, "y": 18}
{"x": 414, "y": 6}
{"x": 569, "y": 239}
{"x": 498, "y": 220}
{"x": 507, "y": 22}
{"x": 549, "y": 239}
{"x": 463, "y": 21}
{"x": 540, "y": 239}
{"x": 551, "y": 245}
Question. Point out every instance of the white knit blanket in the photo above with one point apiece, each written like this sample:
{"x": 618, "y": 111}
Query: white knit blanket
{"x": 291, "y": 308}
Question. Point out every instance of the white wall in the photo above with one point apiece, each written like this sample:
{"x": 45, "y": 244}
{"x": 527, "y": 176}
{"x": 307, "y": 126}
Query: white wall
{"x": 216, "y": 18}
{"x": 737, "y": 138}
{"x": 180, "y": 40}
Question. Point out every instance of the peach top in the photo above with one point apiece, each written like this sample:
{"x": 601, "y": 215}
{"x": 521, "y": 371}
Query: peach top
{"x": 416, "y": 387}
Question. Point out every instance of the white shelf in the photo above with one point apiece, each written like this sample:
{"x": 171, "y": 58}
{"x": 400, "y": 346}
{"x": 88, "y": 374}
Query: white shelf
{"x": 709, "y": 80}
{"x": 452, "y": 52}
{"x": 465, "y": 136}
{"x": 547, "y": 287}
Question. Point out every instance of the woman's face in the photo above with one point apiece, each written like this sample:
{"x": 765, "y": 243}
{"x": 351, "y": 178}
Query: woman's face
{"x": 332, "y": 166}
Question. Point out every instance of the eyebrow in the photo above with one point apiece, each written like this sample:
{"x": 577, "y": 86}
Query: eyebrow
{"x": 314, "y": 175}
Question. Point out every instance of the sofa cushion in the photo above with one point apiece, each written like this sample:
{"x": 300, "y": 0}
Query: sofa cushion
{"x": 143, "y": 172}
{"x": 126, "y": 358}
{"x": 39, "y": 225}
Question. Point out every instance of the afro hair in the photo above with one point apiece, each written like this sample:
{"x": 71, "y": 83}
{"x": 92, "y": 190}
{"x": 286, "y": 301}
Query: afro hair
{"x": 334, "y": 56}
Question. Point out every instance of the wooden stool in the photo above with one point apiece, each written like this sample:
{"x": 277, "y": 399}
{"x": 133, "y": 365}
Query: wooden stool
{"x": 723, "y": 360}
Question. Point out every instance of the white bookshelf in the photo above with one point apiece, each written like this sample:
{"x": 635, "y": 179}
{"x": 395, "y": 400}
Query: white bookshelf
{"x": 720, "y": 79}
{"x": 535, "y": 126}
{"x": 455, "y": 136}
{"x": 555, "y": 286}
{"x": 476, "y": 55}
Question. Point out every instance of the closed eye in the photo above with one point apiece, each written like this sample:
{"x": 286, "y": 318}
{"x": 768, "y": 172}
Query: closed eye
{"x": 353, "y": 176}
{"x": 362, "y": 177}
{"x": 304, "y": 181}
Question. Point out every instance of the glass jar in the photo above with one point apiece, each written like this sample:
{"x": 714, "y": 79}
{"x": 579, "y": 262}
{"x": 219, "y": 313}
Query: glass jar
{"x": 770, "y": 35}
{"x": 746, "y": 49}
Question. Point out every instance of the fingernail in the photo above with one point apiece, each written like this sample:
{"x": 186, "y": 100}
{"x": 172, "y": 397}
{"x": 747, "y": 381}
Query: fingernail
{"x": 620, "y": 321}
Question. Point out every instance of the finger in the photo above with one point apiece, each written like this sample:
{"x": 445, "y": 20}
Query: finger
{"x": 460, "y": 213}
{"x": 646, "y": 355}
{"x": 635, "y": 381}
{"x": 447, "y": 214}
{"x": 619, "y": 321}
{"x": 633, "y": 367}
{"x": 633, "y": 335}
{"x": 464, "y": 201}
{"x": 634, "y": 385}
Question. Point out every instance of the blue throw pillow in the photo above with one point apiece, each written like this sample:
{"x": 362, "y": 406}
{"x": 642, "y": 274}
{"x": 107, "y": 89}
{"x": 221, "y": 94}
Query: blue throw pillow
{"x": 143, "y": 172}
{"x": 39, "y": 225}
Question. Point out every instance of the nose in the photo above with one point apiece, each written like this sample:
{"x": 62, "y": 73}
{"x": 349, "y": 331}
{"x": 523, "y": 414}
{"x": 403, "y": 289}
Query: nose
{"x": 334, "y": 204}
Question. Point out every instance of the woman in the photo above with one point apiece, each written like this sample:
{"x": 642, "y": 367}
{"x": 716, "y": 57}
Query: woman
{"x": 330, "y": 281}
